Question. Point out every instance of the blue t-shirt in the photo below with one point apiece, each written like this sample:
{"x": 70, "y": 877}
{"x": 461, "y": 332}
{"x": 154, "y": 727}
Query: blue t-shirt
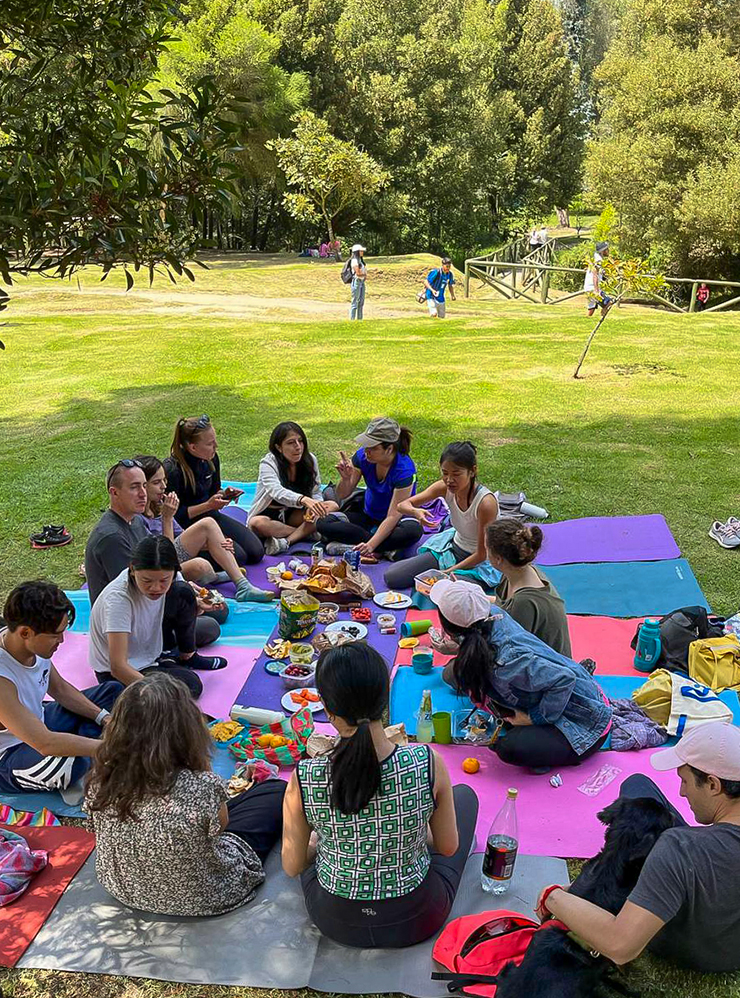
{"x": 439, "y": 280}
{"x": 378, "y": 495}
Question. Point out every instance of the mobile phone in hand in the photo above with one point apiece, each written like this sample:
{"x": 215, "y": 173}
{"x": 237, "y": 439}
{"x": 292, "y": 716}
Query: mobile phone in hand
{"x": 231, "y": 494}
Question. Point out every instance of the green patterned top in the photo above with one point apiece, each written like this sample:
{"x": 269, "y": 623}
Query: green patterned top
{"x": 381, "y": 852}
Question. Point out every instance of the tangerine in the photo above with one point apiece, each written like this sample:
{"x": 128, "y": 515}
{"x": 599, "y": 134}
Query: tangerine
{"x": 470, "y": 765}
{"x": 286, "y": 575}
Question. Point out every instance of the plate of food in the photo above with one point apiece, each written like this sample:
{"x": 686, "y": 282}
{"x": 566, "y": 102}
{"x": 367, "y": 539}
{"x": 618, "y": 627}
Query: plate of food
{"x": 392, "y": 601}
{"x": 353, "y": 629}
{"x": 295, "y": 700}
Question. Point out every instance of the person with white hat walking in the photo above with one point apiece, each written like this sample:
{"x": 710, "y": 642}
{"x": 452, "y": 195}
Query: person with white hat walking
{"x": 685, "y": 905}
{"x": 359, "y": 276}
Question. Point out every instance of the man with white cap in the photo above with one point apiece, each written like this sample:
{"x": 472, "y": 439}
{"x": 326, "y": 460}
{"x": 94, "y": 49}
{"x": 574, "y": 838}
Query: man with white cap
{"x": 359, "y": 275}
{"x": 686, "y": 905}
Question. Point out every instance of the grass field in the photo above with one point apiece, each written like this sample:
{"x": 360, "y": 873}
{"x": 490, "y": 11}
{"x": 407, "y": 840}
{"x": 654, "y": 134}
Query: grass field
{"x": 91, "y": 375}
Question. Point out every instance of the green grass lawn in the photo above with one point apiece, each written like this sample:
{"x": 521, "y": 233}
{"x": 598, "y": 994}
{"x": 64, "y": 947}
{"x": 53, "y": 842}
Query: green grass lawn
{"x": 652, "y": 427}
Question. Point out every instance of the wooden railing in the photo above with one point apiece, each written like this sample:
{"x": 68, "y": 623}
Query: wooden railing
{"x": 533, "y": 275}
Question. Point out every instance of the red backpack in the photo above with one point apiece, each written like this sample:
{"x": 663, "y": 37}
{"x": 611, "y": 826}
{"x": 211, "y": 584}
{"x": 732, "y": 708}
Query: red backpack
{"x": 476, "y": 948}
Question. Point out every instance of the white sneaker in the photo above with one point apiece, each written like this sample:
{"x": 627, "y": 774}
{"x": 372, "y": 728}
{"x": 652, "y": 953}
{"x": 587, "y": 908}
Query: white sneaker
{"x": 725, "y": 534}
{"x": 276, "y": 545}
{"x": 734, "y": 523}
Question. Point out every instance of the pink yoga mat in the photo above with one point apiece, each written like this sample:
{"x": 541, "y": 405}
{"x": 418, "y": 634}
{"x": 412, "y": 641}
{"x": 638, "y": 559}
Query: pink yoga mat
{"x": 220, "y": 688}
{"x": 554, "y": 821}
{"x": 607, "y": 641}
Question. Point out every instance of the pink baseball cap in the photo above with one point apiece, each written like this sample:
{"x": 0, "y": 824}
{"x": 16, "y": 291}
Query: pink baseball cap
{"x": 462, "y": 603}
{"x": 712, "y": 748}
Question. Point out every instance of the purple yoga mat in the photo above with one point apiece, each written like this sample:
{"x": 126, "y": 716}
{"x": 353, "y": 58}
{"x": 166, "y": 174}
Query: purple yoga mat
{"x": 264, "y": 690}
{"x": 608, "y": 539}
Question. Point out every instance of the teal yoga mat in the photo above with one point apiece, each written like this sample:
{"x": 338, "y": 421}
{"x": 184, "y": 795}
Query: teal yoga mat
{"x": 628, "y": 589}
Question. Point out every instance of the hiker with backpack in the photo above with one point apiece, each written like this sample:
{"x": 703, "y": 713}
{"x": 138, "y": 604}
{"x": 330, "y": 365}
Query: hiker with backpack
{"x": 437, "y": 282}
{"x": 354, "y": 272}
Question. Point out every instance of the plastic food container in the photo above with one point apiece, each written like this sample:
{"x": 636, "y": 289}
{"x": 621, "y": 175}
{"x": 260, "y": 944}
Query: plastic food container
{"x": 301, "y": 653}
{"x": 298, "y": 682}
{"x": 423, "y": 583}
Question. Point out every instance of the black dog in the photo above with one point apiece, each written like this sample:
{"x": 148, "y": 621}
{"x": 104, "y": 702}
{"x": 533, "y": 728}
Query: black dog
{"x": 555, "y": 965}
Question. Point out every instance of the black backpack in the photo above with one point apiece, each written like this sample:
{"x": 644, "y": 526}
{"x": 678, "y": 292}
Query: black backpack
{"x": 677, "y": 630}
{"x": 347, "y": 272}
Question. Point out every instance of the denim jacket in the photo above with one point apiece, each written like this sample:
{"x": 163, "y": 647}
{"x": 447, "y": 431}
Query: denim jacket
{"x": 551, "y": 688}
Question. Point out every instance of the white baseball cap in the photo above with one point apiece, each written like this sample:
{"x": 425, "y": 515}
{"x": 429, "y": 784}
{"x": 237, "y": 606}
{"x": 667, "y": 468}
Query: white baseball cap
{"x": 462, "y": 603}
{"x": 359, "y": 248}
{"x": 712, "y": 748}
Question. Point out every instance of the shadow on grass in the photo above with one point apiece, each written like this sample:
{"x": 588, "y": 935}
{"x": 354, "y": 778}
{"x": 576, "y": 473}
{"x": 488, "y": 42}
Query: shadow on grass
{"x": 52, "y": 470}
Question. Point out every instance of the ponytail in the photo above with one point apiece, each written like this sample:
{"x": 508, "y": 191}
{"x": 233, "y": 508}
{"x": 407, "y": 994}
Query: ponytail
{"x": 403, "y": 444}
{"x": 476, "y": 659}
{"x": 186, "y": 430}
{"x": 353, "y": 683}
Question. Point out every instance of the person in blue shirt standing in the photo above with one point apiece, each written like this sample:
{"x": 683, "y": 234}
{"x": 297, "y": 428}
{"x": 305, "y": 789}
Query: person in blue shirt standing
{"x": 437, "y": 282}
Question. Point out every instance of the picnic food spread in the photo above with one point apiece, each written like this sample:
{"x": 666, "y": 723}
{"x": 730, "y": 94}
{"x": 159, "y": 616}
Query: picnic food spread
{"x": 304, "y": 697}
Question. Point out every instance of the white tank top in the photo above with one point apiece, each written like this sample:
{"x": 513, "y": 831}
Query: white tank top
{"x": 31, "y": 682}
{"x": 466, "y": 522}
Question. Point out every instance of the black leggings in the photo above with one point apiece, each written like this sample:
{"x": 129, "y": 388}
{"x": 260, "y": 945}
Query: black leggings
{"x": 356, "y": 527}
{"x": 537, "y": 745}
{"x": 256, "y": 816}
{"x": 402, "y": 921}
{"x": 176, "y": 671}
{"x": 248, "y": 548}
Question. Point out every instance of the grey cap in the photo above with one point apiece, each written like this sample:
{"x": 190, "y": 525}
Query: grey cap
{"x": 600, "y": 247}
{"x": 382, "y": 430}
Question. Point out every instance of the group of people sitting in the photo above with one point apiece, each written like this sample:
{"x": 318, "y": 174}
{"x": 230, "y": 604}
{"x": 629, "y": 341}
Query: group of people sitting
{"x": 377, "y": 869}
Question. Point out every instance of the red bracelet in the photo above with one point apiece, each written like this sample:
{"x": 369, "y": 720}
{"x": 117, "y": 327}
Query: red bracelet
{"x": 542, "y": 907}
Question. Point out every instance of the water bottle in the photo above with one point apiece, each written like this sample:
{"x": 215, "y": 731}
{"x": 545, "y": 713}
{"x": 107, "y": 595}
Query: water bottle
{"x": 501, "y": 848}
{"x": 647, "y": 652}
{"x": 424, "y": 725}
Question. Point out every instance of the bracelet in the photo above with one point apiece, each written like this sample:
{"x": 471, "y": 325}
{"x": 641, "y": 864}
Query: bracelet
{"x": 101, "y": 717}
{"x": 545, "y": 895}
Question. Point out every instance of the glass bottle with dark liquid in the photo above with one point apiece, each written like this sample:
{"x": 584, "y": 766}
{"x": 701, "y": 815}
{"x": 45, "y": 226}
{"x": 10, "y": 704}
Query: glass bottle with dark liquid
{"x": 501, "y": 847}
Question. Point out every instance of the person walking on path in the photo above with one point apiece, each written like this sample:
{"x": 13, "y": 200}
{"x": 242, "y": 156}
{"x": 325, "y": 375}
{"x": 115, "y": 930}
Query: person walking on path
{"x": 359, "y": 276}
{"x": 592, "y": 281}
{"x": 437, "y": 282}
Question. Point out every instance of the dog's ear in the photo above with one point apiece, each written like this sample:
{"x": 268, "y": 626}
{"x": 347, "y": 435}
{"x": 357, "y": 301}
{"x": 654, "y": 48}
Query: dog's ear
{"x": 611, "y": 813}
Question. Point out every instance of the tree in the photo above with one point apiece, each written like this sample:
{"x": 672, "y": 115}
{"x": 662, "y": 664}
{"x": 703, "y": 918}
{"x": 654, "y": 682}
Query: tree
{"x": 330, "y": 174}
{"x": 621, "y": 278}
{"x": 77, "y": 182}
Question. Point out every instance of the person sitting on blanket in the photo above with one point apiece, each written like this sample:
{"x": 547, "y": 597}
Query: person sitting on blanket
{"x": 472, "y": 507}
{"x": 44, "y": 746}
{"x": 111, "y": 545}
{"x": 525, "y": 592}
{"x": 553, "y": 712}
{"x": 129, "y": 627}
{"x": 193, "y": 471}
{"x": 289, "y": 500}
{"x": 684, "y": 907}
{"x": 371, "y": 522}
{"x": 169, "y": 840}
{"x": 375, "y": 830}
{"x": 203, "y": 535}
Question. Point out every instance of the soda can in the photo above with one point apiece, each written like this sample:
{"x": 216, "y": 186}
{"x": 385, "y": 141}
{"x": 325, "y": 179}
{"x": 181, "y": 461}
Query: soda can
{"x": 317, "y": 554}
{"x": 353, "y": 559}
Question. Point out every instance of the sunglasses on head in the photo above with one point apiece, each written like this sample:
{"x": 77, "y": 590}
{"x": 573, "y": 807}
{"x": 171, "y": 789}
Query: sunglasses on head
{"x": 201, "y": 422}
{"x": 126, "y": 462}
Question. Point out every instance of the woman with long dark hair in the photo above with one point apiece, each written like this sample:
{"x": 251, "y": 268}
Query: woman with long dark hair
{"x": 193, "y": 471}
{"x": 168, "y": 839}
{"x": 205, "y": 535}
{"x": 289, "y": 499}
{"x": 472, "y": 508}
{"x": 372, "y": 880}
{"x": 143, "y": 613}
{"x": 371, "y": 521}
{"x": 554, "y": 712}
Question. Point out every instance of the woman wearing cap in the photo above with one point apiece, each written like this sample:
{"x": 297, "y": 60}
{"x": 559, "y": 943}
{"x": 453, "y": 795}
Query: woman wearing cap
{"x": 554, "y": 712}
{"x": 359, "y": 275}
{"x": 375, "y": 830}
{"x": 374, "y": 524}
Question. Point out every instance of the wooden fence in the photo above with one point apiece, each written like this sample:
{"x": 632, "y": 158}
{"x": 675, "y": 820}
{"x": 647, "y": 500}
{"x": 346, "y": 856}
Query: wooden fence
{"x": 532, "y": 274}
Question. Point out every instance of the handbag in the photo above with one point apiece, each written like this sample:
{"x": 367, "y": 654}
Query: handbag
{"x": 716, "y": 662}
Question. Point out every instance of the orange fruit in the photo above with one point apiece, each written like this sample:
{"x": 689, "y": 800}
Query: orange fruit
{"x": 265, "y": 741}
{"x": 278, "y": 741}
{"x": 470, "y": 765}
{"x": 286, "y": 575}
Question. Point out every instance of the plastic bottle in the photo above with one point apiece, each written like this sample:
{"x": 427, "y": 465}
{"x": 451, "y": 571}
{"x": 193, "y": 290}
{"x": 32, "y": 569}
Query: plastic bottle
{"x": 424, "y": 725}
{"x": 647, "y": 652}
{"x": 501, "y": 847}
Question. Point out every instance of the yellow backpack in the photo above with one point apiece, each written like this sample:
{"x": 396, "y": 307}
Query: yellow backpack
{"x": 715, "y": 662}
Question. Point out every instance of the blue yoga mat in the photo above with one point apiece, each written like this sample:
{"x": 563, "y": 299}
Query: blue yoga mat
{"x": 250, "y": 490}
{"x": 627, "y": 589}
